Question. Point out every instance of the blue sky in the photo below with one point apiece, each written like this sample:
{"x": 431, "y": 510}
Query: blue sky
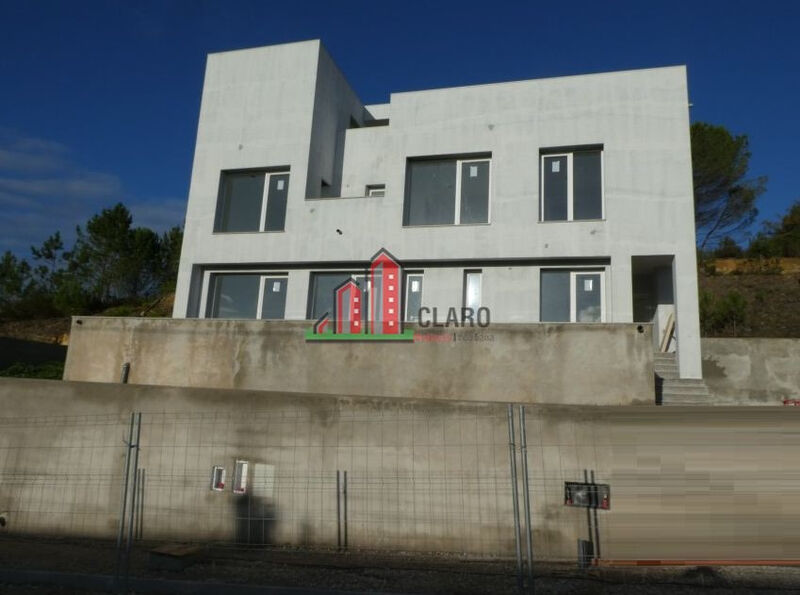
{"x": 99, "y": 100}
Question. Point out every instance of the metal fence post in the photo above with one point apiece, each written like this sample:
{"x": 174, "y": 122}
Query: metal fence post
{"x": 123, "y": 505}
{"x": 133, "y": 496}
{"x": 338, "y": 511}
{"x": 514, "y": 494}
{"x": 523, "y": 438}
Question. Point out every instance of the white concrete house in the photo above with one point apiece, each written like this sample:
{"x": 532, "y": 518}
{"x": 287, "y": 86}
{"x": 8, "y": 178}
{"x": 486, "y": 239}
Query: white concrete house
{"x": 552, "y": 200}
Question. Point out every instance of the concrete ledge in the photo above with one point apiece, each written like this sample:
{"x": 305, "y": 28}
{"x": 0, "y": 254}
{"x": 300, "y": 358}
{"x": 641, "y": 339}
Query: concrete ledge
{"x": 597, "y": 364}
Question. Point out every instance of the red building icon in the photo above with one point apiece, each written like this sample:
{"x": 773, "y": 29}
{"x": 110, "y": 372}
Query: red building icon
{"x": 373, "y": 307}
{"x": 385, "y": 278}
{"x": 348, "y": 307}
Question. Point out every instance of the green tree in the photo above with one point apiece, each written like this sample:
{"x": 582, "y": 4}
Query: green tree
{"x": 778, "y": 238}
{"x": 170, "y": 248}
{"x": 728, "y": 248}
{"x": 15, "y": 282}
{"x": 51, "y": 255}
{"x": 724, "y": 199}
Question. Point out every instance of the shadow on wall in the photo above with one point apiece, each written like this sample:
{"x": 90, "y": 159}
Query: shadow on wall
{"x": 255, "y": 520}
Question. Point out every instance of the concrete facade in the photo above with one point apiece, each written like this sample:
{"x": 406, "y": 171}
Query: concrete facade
{"x": 592, "y": 364}
{"x": 686, "y": 483}
{"x": 288, "y": 107}
{"x": 752, "y": 371}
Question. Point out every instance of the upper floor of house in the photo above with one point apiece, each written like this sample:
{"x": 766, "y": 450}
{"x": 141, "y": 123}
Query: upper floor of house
{"x": 290, "y": 166}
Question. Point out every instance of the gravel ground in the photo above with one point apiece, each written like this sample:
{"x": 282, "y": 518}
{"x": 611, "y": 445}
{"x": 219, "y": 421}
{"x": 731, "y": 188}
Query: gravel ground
{"x": 381, "y": 572}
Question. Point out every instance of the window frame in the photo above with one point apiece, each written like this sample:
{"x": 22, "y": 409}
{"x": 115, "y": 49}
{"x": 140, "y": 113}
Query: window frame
{"x": 407, "y": 275}
{"x": 311, "y": 276}
{"x": 375, "y": 190}
{"x": 262, "y": 222}
{"x": 460, "y": 161}
{"x": 263, "y": 276}
{"x": 570, "y": 197}
{"x": 465, "y": 287}
{"x": 573, "y": 275}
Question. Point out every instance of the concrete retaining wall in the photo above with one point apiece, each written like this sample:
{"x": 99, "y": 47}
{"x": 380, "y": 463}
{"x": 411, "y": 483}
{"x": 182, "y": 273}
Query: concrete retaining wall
{"x": 593, "y": 364}
{"x": 752, "y": 371}
{"x": 688, "y": 483}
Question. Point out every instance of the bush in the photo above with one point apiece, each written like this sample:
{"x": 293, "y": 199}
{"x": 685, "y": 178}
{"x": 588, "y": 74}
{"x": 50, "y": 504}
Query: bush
{"x": 722, "y": 315}
{"x": 46, "y": 370}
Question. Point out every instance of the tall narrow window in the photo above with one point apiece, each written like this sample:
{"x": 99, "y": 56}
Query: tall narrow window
{"x": 572, "y": 185}
{"x": 472, "y": 290}
{"x": 571, "y": 296}
{"x": 413, "y": 296}
{"x": 447, "y": 191}
{"x": 252, "y": 201}
{"x": 273, "y": 302}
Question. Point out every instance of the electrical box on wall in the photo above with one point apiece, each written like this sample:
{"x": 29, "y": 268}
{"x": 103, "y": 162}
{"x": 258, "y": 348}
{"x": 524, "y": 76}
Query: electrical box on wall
{"x": 240, "y": 477}
{"x": 587, "y": 495}
{"x": 217, "y": 478}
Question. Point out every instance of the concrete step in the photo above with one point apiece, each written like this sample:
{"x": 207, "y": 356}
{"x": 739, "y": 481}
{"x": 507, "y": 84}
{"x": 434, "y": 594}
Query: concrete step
{"x": 669, "y": 400}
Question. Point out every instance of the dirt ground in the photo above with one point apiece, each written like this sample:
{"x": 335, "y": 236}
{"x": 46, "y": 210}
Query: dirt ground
{"x": 773, "y": 302}
{"x": 377, "y": 572}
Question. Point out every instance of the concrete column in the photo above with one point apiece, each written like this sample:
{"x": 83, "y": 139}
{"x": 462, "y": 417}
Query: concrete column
{"x": 619, "y": 300}
{"x": 687, "y": 320}
{"x": 297, "y": 294}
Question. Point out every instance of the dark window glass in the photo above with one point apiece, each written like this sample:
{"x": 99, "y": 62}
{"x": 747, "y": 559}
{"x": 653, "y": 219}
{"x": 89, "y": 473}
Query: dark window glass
{"x": 240, "y": 204}
{"x": 273, "y": 306}
{"x": 430, "y": 193}
{"x": 554, "y": 201}
{"x": 587, "y": 194}
{"x": 322, "y": 286}
{"x": 587, "y": 297}
{"x": 233, "y": 296}
{"x": 554, "y": 296}
{"x": 475, "y": 192}
{"x": 276, "y": 202}
{"x": 413, "y": 297}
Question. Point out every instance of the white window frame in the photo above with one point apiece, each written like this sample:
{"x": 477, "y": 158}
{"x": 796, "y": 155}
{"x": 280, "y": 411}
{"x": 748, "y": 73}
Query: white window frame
{"x": 573, "y": 285}
{"x": 459, "y": 167}
{"x": 262, "y": 228}
{"x": 353, "y": 275}
{"x": 206, "y": 287}
{"x": 376, "y": 190}
{"x": 465, "y": 291}
{"x": 408, "y": 276}
{"x": 570, "y": 197}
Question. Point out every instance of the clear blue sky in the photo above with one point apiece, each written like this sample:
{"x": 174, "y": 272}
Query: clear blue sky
{"x": 99, "y": 100}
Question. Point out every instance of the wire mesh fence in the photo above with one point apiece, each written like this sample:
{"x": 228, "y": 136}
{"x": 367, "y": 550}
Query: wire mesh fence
{"x": 406, "y": 476}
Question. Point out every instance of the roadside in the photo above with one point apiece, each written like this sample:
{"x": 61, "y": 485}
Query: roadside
{"x": 381, "y": 572}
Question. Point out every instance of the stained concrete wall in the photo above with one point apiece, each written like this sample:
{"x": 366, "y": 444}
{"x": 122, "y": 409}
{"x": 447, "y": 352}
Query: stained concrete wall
{"x": 752, "y": 371}
{"x": 686, "y": 483}
{"x": 592, "y": 364}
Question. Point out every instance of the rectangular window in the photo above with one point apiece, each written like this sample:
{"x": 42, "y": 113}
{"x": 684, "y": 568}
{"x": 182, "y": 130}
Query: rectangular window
{"x": 472, "y": 290}
{"x": 252, "y": 201}
{"x": 240, "y": 477}
{"x": 447, "y": 191}
{"x": 571, "y": 296}
{"x": 321, "y": 288}
{"x": 413, "y": 296}
{"x": 572, "y": 185}
{"x": 246, "y": 295}
{"x": 273, "y": 301}
{"x": 218, "y": 478}
{"x": 375, "y": 190}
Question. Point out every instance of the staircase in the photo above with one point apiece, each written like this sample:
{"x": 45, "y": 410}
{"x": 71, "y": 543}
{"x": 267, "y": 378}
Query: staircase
{"x": 673, "y": 390}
